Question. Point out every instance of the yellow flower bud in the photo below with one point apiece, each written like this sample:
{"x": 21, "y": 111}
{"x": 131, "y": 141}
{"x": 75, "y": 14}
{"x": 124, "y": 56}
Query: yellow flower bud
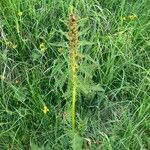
{"x": 20, "y": 13}
{"x": 45, "y": 110}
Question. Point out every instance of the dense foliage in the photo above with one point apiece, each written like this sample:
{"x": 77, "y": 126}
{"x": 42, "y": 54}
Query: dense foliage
{"x": 113, "y": 78}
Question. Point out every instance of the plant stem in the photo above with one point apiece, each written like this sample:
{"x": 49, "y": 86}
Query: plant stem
{"x": 73, "y": 46}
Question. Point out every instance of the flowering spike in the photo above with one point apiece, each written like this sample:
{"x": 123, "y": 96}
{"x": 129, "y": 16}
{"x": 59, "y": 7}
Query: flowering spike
{"x": 73, "y": 46}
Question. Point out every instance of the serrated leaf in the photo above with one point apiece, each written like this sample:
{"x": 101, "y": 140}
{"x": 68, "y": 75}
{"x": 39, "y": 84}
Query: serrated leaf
{"x": 97, "y": 88}
{"x": 19, "y": 93}
{"x": 36, "y": 56}
{"x": 63, "y": 33}
{"x": 87, "y": 69}
{"x": 87, "y": 57}
{"x": 34, "y": 146}
{"x": 87, "y": 86}
{"x": 77, "y": 142}
{"x": 85, "y": 31}
{"x": 58, "y": 44}
{"x": 83, "y": 85}
{"x": 83, "y": 43}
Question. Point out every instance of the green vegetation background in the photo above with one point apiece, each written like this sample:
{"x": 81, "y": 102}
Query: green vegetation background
{"x": 113, "y": 103}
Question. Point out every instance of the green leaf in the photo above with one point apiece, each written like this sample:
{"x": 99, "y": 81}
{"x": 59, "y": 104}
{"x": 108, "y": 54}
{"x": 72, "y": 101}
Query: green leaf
{"x": 34, "y": 146}
{"x": 83, "y": 43}
{"x": 36, "y": 56}
{"x": 77, "y": 142}
{"x": 19, "y": 93}
{"x": 87, "y": 86}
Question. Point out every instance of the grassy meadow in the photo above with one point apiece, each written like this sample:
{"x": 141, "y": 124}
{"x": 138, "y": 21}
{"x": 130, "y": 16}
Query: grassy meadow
{"x": 74, "y": 75}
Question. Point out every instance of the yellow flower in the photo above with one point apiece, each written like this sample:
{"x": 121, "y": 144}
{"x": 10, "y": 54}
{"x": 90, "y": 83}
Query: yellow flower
{"x": 42, "y": 47}
{"x": 20, "y": 13}
{"x": 2, "y": 77}
{"x": 132, "y": 17}
{"x": 45, "y": 110}
{"x": 16, "y": 81}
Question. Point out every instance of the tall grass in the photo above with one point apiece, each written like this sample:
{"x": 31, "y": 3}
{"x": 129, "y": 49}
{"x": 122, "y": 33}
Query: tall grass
{"x": 113, "y": 75}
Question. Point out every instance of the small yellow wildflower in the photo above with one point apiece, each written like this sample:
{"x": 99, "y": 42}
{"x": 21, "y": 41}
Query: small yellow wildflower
{"x": 45, "y": 110}
{"x": 16, "y": 81}
{"x": 132, "y": 17}
{"x": 2, "y": 77}
{"x": 20, "y": 13}
{"x": 42, "y": 47}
